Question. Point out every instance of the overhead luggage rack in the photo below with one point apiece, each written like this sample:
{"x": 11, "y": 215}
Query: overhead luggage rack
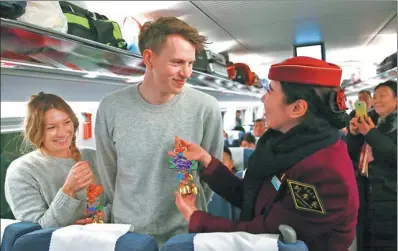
{"x": 26, "y": 47}
{"x": 369, "y": 84}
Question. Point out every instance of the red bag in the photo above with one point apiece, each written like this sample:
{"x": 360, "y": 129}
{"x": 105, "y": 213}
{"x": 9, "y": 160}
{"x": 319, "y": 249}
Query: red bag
{"x": 241, "y": 73}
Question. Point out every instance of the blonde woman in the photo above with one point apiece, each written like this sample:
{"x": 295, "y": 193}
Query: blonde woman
{"x": 48, "y": 186}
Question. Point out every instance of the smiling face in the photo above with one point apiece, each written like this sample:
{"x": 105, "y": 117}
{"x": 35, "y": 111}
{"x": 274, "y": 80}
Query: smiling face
{"x": 384, "y": 101}
{"x": 259, "y": 128}
{"x": 279, "y": 115}
{"x": 51, "y": 126}
{"x": 171, "y": 67}
{"x": 58, "y": 132}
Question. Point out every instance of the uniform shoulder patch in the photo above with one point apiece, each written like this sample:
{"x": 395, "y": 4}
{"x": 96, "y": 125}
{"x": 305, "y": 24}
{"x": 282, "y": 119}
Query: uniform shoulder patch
{"x": 306, "y": 197}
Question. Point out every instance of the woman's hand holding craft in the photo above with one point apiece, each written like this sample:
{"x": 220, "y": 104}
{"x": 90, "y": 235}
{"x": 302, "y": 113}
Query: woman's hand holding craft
{"x": 186, "y": 204}
{"x": 191, "y": 151}
{"x": 84, "y": 221}
{"x": 79, "y": 177}
{"x": 88, "y": 220}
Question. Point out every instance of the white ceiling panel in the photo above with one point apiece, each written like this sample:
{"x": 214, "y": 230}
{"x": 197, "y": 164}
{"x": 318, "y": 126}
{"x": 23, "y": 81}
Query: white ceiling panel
{"x": 270, "y": 28}
{"x": 264, "y": 31}
{"x": 385, "y": 43}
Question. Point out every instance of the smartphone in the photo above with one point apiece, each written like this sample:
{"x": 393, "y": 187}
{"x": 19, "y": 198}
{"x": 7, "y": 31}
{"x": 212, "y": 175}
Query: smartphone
{"x": 360, "y": 109}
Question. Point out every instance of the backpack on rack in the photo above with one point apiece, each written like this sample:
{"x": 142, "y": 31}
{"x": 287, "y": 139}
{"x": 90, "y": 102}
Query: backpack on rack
{"x": 92, "y": 26}
{"x": 12, "y": 9}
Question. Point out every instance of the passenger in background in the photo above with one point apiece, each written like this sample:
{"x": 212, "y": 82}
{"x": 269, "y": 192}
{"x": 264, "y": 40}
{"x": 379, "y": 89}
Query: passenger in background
{"x": 236, "y": 141}
{"x": 259, "y": 128}
{"x": 362, "y": 181}
{"x": 366, "y": 97}
{"x": 218, "y": 206}
{"x": 248, "y": 141}
{"x": 300, "y": 173}
{"x": 227, "y": 160}
{"x": 136, "y": 126}
{"x": 48, "y": 186}
{"x": 374, "y": 147}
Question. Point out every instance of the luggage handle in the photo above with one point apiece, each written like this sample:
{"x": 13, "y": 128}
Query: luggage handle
{"x": 134, "y": 20}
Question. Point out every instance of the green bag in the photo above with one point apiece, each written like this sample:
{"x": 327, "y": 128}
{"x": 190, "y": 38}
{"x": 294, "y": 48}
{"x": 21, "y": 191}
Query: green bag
{"x": 92, "y": 26}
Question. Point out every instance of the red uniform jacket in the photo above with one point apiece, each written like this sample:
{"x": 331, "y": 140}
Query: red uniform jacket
{"x": 329, "y": 170}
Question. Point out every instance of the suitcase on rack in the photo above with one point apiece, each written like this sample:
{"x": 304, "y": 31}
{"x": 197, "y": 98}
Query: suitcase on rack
{"x": 212, "y": 63}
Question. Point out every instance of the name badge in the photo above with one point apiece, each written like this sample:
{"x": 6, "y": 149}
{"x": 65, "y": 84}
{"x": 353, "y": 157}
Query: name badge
{"x": 276, "y": 183}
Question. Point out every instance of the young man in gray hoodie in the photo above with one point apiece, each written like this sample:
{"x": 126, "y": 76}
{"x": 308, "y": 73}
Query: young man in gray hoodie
{"x": 135, "y": 128}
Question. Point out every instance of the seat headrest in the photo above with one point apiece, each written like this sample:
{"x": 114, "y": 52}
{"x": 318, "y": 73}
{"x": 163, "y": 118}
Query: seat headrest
{"x": 240, "y": 156}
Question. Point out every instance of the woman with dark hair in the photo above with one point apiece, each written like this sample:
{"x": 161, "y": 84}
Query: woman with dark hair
{"x": 374, "y": 148}
{"x": 248, "y": 141}
{"x": 300, "y": 173}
